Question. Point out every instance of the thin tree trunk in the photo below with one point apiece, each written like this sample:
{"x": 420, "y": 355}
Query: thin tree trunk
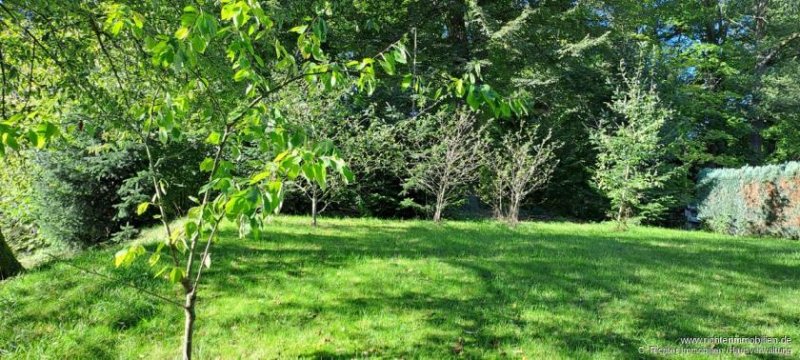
{"x": 757, "y": 123}
{"x": 437, "y": 213}
{"x": 314, "y": 207}
{"x": 188, "y": 330}
{"x": 498, "y": 211}
{"x": 9, "y": 266}
{"x": 622, "y": 214}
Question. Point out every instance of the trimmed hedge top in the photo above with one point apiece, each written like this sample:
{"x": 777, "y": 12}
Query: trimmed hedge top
{"x": 763, "y": 200}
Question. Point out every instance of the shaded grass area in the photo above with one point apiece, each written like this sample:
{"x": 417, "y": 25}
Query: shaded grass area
{"x": 411, "y": 289}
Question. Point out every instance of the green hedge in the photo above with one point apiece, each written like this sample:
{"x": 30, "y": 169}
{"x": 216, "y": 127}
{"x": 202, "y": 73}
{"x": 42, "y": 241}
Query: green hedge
{"x": 761, "y": 200}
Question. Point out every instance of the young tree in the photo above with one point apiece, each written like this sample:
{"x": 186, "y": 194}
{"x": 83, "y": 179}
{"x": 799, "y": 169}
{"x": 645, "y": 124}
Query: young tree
{"x": 630, "y": 151}
{"x": 446, "y": 156}
{"x": 319, "y": 194}
{"x": 319, "y": 116}
{"x": 522, "y": 163}
{"x": 214, "y": 69}
{"x": 368, "y": 141}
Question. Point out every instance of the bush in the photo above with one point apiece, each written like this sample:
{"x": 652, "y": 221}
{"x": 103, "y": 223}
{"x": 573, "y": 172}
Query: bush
{"x": 75, "y": 191}
{"x": 16, "y": 214}
{"x": 752, "y": 200}
{"x": 86, "y": 193}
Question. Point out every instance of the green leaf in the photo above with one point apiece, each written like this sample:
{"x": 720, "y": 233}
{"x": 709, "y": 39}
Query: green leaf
{"x": 142, "y": 208}
{"x": 207, "y": 165}
{"x": 46, "y": 132}
{"x": 229, "y": 11}
{"x": 388, "y": 63}
{"x": 242, "y": 202}
{"x": 126, "y": 257}
{"x": 260, "y": 176}
{"x": 138, "y": 20}
{"x": 322, "y": 175}
{"x": 473, "y": 99}
{"x": 348, "y": 175}
{"x": 214, "y": 138}
{"x": 400, "y": 54}
{"x": 116, "y": 27}
{"x": 206, "y": 25}
{"x": 199, "y": 44}
{"x": 292, "y": 170}
{"x": 182, "y": 33}
{"x": 176, "y": 275}
{"x": 242, "y": 74}
{"x": 119, "y": 257}
{"x": 300, "y": 29}
{"x": 188, "y": 19}
{"x": 317, "y": 53}
{"x": 407, "y": 80}
{"x": 459, "y": 85}
{"x": 154, "y": 259}
{"x": 274, "y": 195}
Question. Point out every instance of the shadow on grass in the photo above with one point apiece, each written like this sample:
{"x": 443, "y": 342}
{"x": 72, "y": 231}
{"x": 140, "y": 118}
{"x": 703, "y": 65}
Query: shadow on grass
{"x": 586, "y": 274}
{"x": 506, "y": 293}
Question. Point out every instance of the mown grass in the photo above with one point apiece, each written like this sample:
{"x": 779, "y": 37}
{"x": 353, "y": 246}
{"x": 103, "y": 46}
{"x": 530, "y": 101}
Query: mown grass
{"x": 411, "y": 289}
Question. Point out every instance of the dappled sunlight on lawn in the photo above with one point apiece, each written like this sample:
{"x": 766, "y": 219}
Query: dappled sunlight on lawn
{"x": 411, "y": 289}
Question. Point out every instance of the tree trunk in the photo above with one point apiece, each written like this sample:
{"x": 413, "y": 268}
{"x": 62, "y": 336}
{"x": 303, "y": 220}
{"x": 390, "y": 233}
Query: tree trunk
{"x": 437, "y": 213}
{"x": 620, "y": 217}
{"x": 188, "y": 329}
{"x": 314, "y": 207}
{"x": 622, "y": 214}
{"x": 757, "y": 123}
{"x": 457, "y": 33}
{"x": 513, "y": 212}
{"x": 9, "y": 266}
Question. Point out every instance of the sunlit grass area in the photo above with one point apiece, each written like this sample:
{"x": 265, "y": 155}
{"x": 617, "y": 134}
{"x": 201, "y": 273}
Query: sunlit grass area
{"x": 412, "y": 289}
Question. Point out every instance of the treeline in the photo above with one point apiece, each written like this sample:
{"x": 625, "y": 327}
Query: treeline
{"x": 585, "y": 110}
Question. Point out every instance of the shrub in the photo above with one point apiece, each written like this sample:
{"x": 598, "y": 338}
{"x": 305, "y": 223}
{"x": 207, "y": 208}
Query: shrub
{"x": 75, "y": 191}
{"x": 88, "y": 192}
{"x": 752, "y": 200}
{"x": 16, "y": 217}
{"x": 631, "y": 169}
{"x": 521, "y": 163}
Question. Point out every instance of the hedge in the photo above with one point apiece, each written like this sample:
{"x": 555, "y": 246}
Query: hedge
{"x": 762, "y": 200}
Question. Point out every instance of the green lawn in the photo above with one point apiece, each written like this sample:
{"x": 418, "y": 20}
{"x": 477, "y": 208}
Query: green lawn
{"x": 411, "y": 289}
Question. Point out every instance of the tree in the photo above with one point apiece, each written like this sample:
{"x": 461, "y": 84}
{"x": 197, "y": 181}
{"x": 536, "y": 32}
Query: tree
{"x": 19, "y": 91}
{"x": 630, "y": 151}
{"x": 214, "y": 70}
{"x": 156, "y": 81}
{"x": 319, "y": 116}
{"x": 9, "y": 266}
{"x": 248, "y": 199}
{"x": 520, "y": 164}
{"x": 320, "y": 193}
{"x": 446, "y": 156}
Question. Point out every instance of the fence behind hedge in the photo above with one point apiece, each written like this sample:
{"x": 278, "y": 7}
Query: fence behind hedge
{"x": 762, "y": 200}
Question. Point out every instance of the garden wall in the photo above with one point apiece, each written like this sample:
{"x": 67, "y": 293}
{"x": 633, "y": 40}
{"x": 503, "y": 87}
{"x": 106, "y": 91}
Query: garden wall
{"x": 762, "y": 200}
